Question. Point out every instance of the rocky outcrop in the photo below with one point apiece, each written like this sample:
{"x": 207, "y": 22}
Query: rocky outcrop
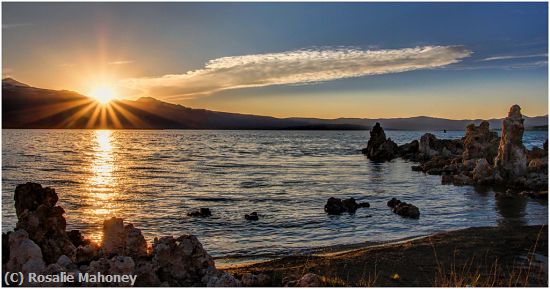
{"x": 39, "y": 216}
{"x": 336, "y": 206}
{"x": 511, "y": 160}
{"x": 253, "y": 280}
{"x": 409, "y": 150}
{"x": 404, "y": 209}
{"x": 480, "y": 142}
{"x": 181, "y": 261}
{"x": 378, "y": 147}
{"x": 430, "y": 146}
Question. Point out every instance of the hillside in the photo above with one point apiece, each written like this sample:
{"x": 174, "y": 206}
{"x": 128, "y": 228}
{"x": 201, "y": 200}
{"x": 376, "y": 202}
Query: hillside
{"x": 24, "y": 106}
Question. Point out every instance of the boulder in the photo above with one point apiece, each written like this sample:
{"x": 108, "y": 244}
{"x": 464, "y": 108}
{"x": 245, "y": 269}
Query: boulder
{"x": 480, "y": 142}
{"x": 181, "y": 261}
{"x": 336, "y": 206}
{"x": 252, "y": 217}
{"x": 407, "y": 210}
{"x": 39, "y": 216}
{"x": 253, "y": 280}
{"x": 202, "y": 212}
{"x": 378, "y": 147}
{"x": 310, "y": 280}
{"x": 77, "y": 239}
{"x": 25, "y": 254}
{"x": 511, "y": 160}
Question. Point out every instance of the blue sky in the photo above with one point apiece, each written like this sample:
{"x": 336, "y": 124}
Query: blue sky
{"x": 289, "y": 59}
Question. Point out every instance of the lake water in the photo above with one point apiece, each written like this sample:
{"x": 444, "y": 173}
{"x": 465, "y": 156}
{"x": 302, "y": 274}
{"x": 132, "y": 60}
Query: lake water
{"x": 152, "y": 178}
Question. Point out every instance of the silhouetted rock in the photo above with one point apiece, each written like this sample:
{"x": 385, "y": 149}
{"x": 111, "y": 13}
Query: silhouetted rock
{"x": 255, "y": 280}
{"x": 378, "y": 147}
{"x": 43, "y": 221}
{"x": 409, "y": 150}
{"x": 407, "y": 210}
{"x": 76, "y": 238}
{"x": 202, "y": 212}
{"x": 511, "y": 161}
{"x": 393, "y": 202}
{"x": 336, "y": 206}
{"x": 252, "y": 217}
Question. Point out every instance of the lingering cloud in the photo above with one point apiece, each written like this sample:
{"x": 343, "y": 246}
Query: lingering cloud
{"x": 507, "y": 66}
{"x": 120, "y": 62}
{"x": 295, "y": 67}
{"x": 15, "y": 25}
{"x": 507, "y": 57}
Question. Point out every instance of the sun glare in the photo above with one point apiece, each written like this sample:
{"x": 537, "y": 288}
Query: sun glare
{"x": 103, "y": 94}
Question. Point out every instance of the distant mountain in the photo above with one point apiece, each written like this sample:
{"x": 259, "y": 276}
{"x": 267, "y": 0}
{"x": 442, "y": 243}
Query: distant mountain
{"x": 24, "y": 106}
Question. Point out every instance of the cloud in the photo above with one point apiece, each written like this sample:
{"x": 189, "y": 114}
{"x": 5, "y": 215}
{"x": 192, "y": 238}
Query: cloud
{"x": 294, "y": 67}
{"x": 507, "y": 57}
{"x": 120, "y": 62}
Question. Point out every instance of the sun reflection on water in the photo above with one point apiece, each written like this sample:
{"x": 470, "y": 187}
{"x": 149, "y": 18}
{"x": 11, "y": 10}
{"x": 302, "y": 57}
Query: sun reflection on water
{"x": 102, "y": 183}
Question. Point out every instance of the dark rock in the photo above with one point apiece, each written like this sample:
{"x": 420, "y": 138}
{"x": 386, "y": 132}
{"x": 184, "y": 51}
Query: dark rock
{"x": 363, "y": 205}
{"x": 336, "y": 206}
{"x": 77, "y": 239}
{"x": 5, "y": 247}
{"x": 511, "y": 160}
{"x": 252, "y": 217}
{"x": 409, "y": 150}
{"x": 393, "y": 202}
{"x": 202, "y": 212}
{"x": 378, "y": 147}
{"x": 43, "y": 221}
{"x": 407, "y": 210}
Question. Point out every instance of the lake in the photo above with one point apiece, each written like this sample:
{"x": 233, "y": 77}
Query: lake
{"x": 152, "y": 178}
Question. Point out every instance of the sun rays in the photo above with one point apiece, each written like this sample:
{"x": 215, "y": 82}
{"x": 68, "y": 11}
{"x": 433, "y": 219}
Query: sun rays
{"x": 89, "y": 113}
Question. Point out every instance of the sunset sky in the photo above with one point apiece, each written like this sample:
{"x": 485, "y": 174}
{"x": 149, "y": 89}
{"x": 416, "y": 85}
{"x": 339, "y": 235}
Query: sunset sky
{"x": 452, "y": 60}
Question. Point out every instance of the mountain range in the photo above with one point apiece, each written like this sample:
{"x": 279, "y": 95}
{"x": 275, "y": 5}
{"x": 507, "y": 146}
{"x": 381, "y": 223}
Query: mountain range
{"x": 24, "y": 106}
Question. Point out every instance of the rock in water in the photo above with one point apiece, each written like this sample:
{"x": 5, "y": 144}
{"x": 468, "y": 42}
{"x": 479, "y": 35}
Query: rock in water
{"x": 43, "y": 221}
{"x": 511, "y": 160}
{"x": 202, "y": 212}
{"x": 404, "y": 209}
{"x": 378, "y": 147}
{"x": 430, "y": 146}
{"x": 480, "y": 142}
{"x": 336, "y": 206}
{"x": 252, "y": 217}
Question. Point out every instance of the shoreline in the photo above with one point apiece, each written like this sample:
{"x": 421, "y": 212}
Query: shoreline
{"x": 418, "y": 260}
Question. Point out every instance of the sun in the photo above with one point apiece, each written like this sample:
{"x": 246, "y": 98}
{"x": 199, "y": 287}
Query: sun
{"x": 103, "y": 93}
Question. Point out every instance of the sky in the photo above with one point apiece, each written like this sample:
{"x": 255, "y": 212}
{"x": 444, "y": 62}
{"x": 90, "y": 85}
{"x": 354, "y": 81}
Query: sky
{"x": 328, "y": 60}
